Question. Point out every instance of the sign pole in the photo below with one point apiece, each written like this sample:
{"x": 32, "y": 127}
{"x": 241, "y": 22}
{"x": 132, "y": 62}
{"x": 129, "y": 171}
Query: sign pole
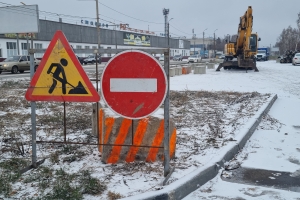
{"x": 65, "y": 126}
{"x": 97, "y": 75}
{"x": 166, "y": 116}
{"x": 33, "y": 109}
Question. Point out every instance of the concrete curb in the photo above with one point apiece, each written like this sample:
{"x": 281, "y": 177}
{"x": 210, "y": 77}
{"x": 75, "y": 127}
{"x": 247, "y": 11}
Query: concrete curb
{"x": 190, "y": 184}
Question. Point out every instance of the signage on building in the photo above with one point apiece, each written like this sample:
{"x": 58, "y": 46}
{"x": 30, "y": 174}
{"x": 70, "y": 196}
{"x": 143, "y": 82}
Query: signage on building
{"x": 21, "y": 35}
{"x": 92, "y": 23}
{"x": 126, "y": 28}
{"x": 60, "y": 76}
{"x": 136, "y": 39}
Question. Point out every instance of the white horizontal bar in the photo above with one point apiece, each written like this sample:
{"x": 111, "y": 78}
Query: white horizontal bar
{"x": 133, "y": 85}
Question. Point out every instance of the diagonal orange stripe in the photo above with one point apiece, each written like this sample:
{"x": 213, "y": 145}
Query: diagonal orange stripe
{"x": 138, "y": 138}
{"x": 100, "y": 133}
{"x": 116, "y": 150}
{"x": 156, "y": 142}
{"x": 109, "y": 122}
{"x": 173, "y": 143}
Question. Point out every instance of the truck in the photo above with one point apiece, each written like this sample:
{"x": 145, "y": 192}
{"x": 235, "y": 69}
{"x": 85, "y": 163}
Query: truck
{"x": 241, "y": 52}
{"x": 262, "y": 54}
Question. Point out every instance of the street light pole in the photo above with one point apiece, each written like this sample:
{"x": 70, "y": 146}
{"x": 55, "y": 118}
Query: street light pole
{"x": 194, "y": 41}
{"x": 203, "y": 43}
{"x": 215, "y": 43}
{"x": 97, "y": 73}
{"x": 167, "y": 108}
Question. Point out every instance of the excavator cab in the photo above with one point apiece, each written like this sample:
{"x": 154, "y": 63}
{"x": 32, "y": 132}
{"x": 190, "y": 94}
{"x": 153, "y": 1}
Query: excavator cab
{"x": 253, "y": 43}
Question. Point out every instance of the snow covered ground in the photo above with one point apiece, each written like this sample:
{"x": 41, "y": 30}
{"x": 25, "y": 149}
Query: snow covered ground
{"x": 236, "y": 102}
{"x": 275, "y": 145}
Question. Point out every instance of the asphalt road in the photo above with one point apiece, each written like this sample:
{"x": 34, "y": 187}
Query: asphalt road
{"x": 87, "y": 68}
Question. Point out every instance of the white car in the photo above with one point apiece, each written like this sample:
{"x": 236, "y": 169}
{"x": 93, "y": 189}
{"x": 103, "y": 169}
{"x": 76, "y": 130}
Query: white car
{"x": 296, "y": 59}
{"x": 194, "y": 58}
{"x": 161, "y": 58}
{"x": 222, "y": 56}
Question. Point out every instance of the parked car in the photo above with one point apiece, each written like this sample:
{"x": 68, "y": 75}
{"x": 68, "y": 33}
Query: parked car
{"x": 92, "y": 59}
{"x": 15, "y": 64}
{"x": 194, "y": 58}
{"x": 222, "y": 56}
{"x": 161, "y": 58}
{"x": 80, "y": 59}
{"x": 296, "y": 59}
{"x": 177, "y": 58}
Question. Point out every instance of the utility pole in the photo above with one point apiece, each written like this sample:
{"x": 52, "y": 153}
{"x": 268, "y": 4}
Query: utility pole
{"x": 166, "y": 12}
{"x": 98, "y": 27}
{"x": 97, "y": 73}
{"x": 194, "y": 41}
{"x": 203, "y": 43}
{"x": 215, "y": 43}
{"x": 167, "y": 109}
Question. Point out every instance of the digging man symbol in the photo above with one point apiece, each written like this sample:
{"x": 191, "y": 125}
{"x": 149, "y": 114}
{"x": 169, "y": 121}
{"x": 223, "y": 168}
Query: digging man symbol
{"x": 60, "y": 75}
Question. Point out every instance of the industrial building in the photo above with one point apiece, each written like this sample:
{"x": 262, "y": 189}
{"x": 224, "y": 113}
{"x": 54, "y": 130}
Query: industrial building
{"x": 85, "y": 37}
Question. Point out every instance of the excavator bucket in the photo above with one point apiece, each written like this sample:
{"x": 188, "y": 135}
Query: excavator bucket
{"x": 247, "y": 64}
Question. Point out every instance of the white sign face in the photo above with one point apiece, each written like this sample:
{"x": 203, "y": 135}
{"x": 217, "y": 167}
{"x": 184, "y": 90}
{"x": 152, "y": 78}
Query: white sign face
{"x": 19, "y": 19}
{"x": 180, "y": 44}
{"x": 133, "y": 85}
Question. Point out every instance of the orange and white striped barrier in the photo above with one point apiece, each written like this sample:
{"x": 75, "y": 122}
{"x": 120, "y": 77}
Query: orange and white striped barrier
{"x": 186, "y": 69}
{"x": 139, "y": 137}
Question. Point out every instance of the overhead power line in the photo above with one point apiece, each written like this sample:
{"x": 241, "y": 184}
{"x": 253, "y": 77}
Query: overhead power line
{"x": 129, "y": 16}
{"x": 72, "y": 18}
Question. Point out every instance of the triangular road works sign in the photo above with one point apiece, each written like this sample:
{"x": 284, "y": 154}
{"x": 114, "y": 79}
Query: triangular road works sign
{"x": 60, "y": 76}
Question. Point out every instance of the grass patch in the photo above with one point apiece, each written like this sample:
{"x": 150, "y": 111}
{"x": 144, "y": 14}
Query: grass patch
{"x": 113, "y": 195}
{"x": 91, "y": 185}
{"x": 10, "y": 172}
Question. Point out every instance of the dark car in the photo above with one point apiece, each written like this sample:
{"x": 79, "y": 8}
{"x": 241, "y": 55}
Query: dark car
{"x": 80, "y": 59}
{"x": 177, "y": 58}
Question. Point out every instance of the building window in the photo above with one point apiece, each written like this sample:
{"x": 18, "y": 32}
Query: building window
{"x": 94, "y": 47}
{"x": 87, "y": 47}
{"x": 24, "y": 48}
{"x": 0, "y": 53}
{"x": 78, "y": 47}
{"x": 11, "y": 49}
{"x": 38, "y": 46}
{"x": 108, "y": 53}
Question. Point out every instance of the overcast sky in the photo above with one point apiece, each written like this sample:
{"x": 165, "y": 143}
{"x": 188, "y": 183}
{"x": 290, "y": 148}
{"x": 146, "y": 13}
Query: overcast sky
{"x": 270, "y": 16}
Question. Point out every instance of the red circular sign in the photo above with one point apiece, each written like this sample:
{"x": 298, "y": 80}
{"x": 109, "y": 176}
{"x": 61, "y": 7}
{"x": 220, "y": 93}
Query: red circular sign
{"x": 133, "y": 84}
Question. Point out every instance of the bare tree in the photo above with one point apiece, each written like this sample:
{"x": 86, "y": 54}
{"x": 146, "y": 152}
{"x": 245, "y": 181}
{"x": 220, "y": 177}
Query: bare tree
{"x": 298, "y": 38}
{"x": 288, "y": 39}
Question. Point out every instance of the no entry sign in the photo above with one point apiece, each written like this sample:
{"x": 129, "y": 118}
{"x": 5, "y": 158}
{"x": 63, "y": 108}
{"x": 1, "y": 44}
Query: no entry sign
{"x": 133, "y": 84}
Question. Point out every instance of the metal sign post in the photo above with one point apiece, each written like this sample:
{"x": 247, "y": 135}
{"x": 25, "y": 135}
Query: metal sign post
{"x": 167, "y": 116}
{"x": 33, "y": 109}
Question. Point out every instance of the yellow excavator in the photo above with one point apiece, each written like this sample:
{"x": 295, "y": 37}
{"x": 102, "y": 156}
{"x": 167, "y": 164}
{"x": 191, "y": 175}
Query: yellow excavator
{"x": 241, "y": 53}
